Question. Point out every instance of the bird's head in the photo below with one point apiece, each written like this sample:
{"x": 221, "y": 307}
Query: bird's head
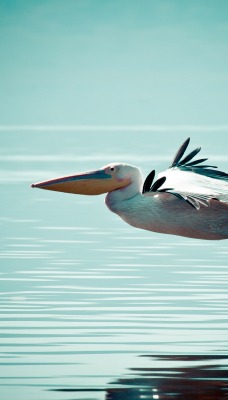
{"x": 111, "y": 177}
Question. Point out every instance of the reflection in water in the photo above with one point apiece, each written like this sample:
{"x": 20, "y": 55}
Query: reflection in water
{"x": 171, "y": 377}
{"x": 203, "y": 379}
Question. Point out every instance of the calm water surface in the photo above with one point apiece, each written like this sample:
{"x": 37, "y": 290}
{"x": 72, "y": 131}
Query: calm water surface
{"x": 91, "y": 308}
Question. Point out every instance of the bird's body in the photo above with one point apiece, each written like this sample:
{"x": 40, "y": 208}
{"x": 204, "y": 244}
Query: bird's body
{"x": 189, "y": 199}
{"x": 165, "y": 213}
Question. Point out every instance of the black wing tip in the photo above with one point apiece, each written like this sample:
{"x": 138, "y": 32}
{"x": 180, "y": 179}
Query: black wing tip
{"x": 149, "y": 186}
{"x": 186, "y": 162}
{"x": 159, "y": 182}
{"x": 156, "y": 186}
{"x": 148, "y": 182}
{"x": 180, "y": 152}
{"x": 186, "y": 142}
{"x": 190, "y": 156}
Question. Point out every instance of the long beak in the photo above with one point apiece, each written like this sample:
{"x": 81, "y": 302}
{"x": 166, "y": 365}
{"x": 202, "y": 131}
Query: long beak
{"x": 88, "y": 183}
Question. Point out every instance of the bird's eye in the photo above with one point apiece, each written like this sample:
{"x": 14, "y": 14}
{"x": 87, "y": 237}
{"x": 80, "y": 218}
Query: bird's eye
{"x": 112, "y": 168}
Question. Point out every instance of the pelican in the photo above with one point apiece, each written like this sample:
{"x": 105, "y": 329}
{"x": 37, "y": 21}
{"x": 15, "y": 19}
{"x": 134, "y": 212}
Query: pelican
{"x": 188, "y": 199}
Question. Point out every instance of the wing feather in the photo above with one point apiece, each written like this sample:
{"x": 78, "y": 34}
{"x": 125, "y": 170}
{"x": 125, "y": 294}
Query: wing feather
{"x": 190, "y": 156}
{"x": 180, "y": 153}
{"x": 190, "y": 181}
{"x": 148, "y": 182}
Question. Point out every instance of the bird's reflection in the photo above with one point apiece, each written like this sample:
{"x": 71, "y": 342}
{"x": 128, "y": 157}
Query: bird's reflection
{"x": 169, "y": 377}
{"x": 189, "y": 378}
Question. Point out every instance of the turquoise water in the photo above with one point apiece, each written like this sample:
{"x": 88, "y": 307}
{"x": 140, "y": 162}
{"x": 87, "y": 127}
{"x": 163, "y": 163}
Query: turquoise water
{"x": 92, "y": 308}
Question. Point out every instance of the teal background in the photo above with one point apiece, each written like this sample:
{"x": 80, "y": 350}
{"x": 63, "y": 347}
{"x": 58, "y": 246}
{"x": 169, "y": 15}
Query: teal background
{"x": 113, "y": 62}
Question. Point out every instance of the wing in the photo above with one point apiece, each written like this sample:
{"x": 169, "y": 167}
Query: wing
{"x": 190, "y": 180}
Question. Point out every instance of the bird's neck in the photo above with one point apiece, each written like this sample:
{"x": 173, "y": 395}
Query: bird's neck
{"x": 115, "y": 199}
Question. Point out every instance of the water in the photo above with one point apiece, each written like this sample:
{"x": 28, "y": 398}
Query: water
{"x": 91, "y": 308}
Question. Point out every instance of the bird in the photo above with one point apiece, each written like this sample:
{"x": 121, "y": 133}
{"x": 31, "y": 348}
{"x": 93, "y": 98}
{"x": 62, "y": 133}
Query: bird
{"x": 189, "y": 199}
